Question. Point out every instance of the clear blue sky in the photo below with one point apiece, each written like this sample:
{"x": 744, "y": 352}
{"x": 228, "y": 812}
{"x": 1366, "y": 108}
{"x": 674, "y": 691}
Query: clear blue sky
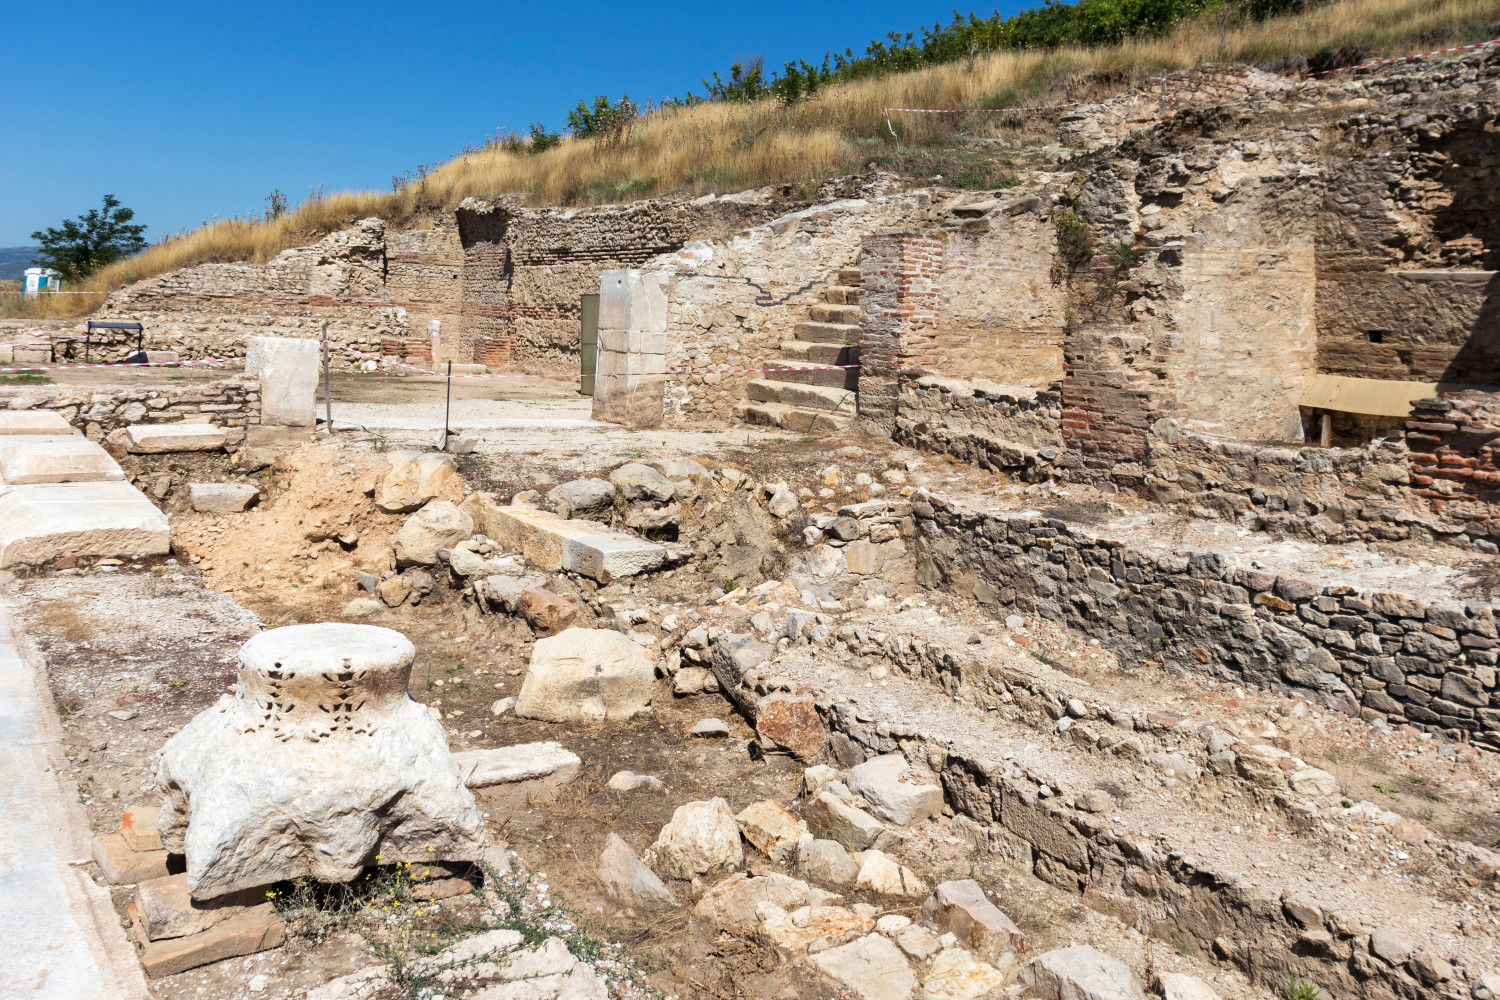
{"x": 187, "y": 112}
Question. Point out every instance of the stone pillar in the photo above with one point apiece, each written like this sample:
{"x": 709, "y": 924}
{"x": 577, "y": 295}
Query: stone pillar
{"x": 632, "y": 343}
{"x": 900, "y": 274}
{"x": 288, "y": 371}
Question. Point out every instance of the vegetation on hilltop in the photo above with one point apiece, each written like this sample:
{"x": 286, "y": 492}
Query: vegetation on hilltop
{"x": 695, "y": 147}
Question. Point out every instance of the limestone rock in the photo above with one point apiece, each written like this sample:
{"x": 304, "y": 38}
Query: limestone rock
{"x": 828, "y": 816}
{"x": 871, "y": 968}
{"x": 1313, "y": 781}
{"x": 956, "y": 975}
{"x": 156, "y": 439}
{"x": 222, "y": 498}
{"x": 825, "y": 862}
{"x": 774, "y": 831}
{"x": 627, "y": 880}
{"x": 586, "y": 675}
{"x": 1081, "y": 973}
{"x": 783, "y": 503}
{"x": 55, "y": 459}
{"x": 394, "y": 590}
{"x": 412, "y": 479}
{"x": 732, "y": 905}
{"x": 528, "y": 772}
{"x": 439, "y": 525}
{"x": 317, "y": 763}
{"x": 962, "y": 909}
{"x": 546, "y": 612}
{"x": 896, "y": 789}
{"x": 1181, "y": 986}
{"x": 33, "y": 422}
{"x": 641, "y": 482}
{"x": 700, "y": 838}
{"x": 879, "y": 872}
{"x": 582, "y": 498}
{"x": 793, "y": 934}
{"x": 790, "y": 722}
{"x": 1391, "y": 945}
{"x": 629, "y": 781}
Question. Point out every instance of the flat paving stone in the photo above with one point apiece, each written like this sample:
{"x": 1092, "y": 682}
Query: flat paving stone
{"x": 57, "y": 460}
{"x": 34, "y": 422}
{"x": 40, "y": 523}
{"x": 153, "y": 439}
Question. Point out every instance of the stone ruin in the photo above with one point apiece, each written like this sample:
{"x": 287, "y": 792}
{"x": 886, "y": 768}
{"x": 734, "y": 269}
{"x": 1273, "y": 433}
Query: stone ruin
{"x": 319, "y": 765}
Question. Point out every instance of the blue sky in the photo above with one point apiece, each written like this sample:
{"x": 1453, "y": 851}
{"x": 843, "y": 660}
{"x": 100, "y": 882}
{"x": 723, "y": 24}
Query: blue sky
{"x": 187, "y": 112}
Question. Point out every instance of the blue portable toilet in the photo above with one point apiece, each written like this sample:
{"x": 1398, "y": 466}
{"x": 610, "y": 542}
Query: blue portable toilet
{"x": 39, "y": 280}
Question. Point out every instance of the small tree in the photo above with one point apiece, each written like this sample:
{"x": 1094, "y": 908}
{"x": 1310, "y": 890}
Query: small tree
{"x": 95, "y": 239}
{"x": 276, "y": 205}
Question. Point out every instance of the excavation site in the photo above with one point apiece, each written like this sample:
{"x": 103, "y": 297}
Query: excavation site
{"x": 1079, "y": 585}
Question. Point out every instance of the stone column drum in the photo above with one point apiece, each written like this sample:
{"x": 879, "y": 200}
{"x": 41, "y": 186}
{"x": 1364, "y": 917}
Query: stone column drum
{"x": 320, "y": 764}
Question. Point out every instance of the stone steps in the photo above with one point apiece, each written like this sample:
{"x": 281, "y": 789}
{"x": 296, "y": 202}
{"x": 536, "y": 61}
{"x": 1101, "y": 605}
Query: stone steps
{"x": 842, "y": 295}
{"x": 813, "y": 397}
{"x": 826, "y": 333}
{"x": 809, "y": 373}
{"x": 792, "y": 418}
{"x": 849, "y": 276}
{"x": 828, "y": 313}
{"x": 820, "y": 354}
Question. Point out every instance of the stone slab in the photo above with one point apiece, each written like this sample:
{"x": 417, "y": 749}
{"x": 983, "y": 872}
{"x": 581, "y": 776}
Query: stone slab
{"x": 34, "y": 422}
{"x": 255, "y": 929}
{"x": 288, "y": 369}
{"x": 41, "y": 523}
{"x": 163, "y": 908}
{"x": 529, "y": 772}
{"x": 138, "y": 827}
{"x": 551, "y": 542}
{"x": 122, "y": 866}
{"x": 222, "y": 498}
{"x": 155, "y": 439}
{"x": 277, "y": 436}
{"x": 59, "y": 460}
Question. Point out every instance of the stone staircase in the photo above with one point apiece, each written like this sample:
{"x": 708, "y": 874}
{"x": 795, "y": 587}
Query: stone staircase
{"x": 806, "y": 399}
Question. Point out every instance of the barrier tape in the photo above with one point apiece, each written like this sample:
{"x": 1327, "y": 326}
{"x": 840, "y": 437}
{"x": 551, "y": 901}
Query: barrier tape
{"x": 706, "y": 371}
{"x": 1213, "y": 90}
{"x": 122, "y": 364}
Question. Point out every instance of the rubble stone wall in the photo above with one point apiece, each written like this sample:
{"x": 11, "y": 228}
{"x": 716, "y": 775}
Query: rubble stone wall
{"x": 999, "y": 427}
{"x": 232, "y": 403}
{"x": 1430, "y": 664}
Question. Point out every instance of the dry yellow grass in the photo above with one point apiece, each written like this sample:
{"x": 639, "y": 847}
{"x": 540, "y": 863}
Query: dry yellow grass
{"x": 727, "y": 147}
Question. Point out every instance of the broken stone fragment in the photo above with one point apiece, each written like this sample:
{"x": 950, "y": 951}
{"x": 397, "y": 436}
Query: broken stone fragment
{"x": 790, "y": 722}
{"x": 871, "y": 967}
{"x": 879, "y": 872}
{"x": 547, "y": 613}
{"x": 222, "y": 498}
{"x": 412, "y": 479}
{"x": 1081, "y": 973}
{"x": 828, "y": 816}
{"x": 956, "y": 975}
{"x": 734, "y": 904}
{"x": 774, "y": 831}
{"x": 825, "y": 862}
{"x": 629, "y": 781}
{"x": 592, "y": 675}
{"x": 439, "y": 525}
{"x": 627, "y": 880}
{"x": 641, "y": 482}
{"x": 582, "y": 498}
{"x": 318, "y": 762}
{"x": 1180, "y": 986}
{"x": 700, "y": 838}
{"x": 525, "y": 773}
{"x": 896, "y": 789}
{"x": 962, "y": 909}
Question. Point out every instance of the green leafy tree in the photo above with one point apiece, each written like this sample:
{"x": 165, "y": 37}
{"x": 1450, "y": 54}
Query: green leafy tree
{"x": 95, "y": 239}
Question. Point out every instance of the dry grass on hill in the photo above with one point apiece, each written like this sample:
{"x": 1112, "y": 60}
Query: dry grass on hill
{"x": 729, "y": 147}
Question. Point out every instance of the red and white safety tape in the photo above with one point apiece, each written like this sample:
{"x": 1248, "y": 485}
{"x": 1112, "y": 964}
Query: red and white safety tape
{"x": 122, "y": 364}
{"x": 706, "y": 371}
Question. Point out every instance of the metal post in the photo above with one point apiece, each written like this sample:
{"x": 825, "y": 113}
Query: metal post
{"x": 448, "y": 404}
{"x": 327, "y": 383}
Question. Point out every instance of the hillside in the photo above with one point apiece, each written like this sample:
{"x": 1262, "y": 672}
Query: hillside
{"x": 723, "y": 147}
{"x": 15, "y": 260}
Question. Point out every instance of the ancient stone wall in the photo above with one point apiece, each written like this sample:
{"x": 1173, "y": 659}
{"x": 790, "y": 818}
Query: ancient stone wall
{"x": 1013, "y": 429}
{"x": 900, "y": 293}
{"x": 525, "y": 269}
{"x": 1431, "y": 664}
{"x": 733, "y": 301}
{"x": 232, "y": 403}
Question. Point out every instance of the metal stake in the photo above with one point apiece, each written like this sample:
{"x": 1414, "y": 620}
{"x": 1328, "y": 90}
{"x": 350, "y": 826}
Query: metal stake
{"x": 327, "y": 383}
{"x": 448, "y": 405}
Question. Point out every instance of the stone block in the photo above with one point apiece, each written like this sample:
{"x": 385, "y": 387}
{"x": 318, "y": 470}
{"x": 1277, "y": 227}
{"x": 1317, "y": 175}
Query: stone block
{"x": 58, "y": 460}
{"x": 791, "y": 722}
{"x": 287, "y": 369}
{"x": 871, "y": 968}
{"x": 164, "y": 909}
{"x": 276, "y": 436}
{"x": 962, "y": 909}
{"x": 222, "y": 498}
{"x": 551, "y": 542}
{"x": 830, "y": 817}
{"x": 515, "y": 776}
{"x": 155, "y": 439}
{"x": 34, "y": 422}
{"x": 897, "y": 790}
{"x": 254, "y": 930}
{"x": 41, "y": 523}
{"x": 138, "y": 827}
{"x": 122, "y": 866}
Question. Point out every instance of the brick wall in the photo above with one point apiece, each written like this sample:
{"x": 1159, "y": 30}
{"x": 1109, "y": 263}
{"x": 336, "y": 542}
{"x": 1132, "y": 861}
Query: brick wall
{"x": 900, "y": 294}
{"x": 1452, "y": 450}
{"x": 1116, "y": 388}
